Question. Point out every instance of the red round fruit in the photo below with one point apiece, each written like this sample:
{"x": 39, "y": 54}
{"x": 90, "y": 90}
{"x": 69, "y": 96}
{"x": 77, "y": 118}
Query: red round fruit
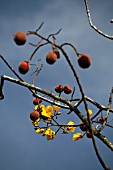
{"x": 51, "y": 58}
{"x": 20, "y": 38}
{"x": 34, "y": 115}
{"x": 59, "y": 88}
{"x": 24, "y": 67}
{"x": 67, "y": 89}
{"x": 84, "y": 61}
{"x": 37, "y": 101}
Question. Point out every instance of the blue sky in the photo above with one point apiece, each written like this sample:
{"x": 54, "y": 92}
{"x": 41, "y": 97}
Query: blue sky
{"x": 20, "y": 147}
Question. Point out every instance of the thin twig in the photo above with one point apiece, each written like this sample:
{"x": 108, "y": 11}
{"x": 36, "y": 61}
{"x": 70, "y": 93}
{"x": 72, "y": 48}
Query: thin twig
{"x": 107, "y": 112}
{"x": 98, "y": 154}
{"x": 55, "y": 33}
{"x": 37, "y": 72}
{"x": 14, "y": 72}
{"x": 69, "y": 44}
{"x": 11, "y": 68}
{"x": 41, "y": 45}
{"x": 98, "y": 105}
{"x": 40, "y": 26}
{"x": 96, "y": 114}
{"x": 35, "y": 45}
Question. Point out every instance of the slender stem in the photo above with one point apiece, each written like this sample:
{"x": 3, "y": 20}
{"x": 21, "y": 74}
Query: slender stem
{"x": 69, "y": 44}
{"x": 41, "y": 45}
{"x": 107, "y": 112}
{"x": 98, "y": 105}
{"x": 98, "y": 155}
{"x": 11, "y": 68}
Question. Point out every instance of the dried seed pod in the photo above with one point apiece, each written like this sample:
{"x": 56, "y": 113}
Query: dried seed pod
{"x": 82, "y": 126}
{"x": 88, "y": 134}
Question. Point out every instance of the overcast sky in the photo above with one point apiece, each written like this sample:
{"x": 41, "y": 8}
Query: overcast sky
{"x": 20, "y": 147}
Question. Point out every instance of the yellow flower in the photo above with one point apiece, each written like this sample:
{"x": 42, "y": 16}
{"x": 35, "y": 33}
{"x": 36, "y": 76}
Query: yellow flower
{"x": 42, "y": 107}
{"x": 39, "y": 130}
{"x": 77, "y": 136}
{"x": 58, "y": 113}
{"x": 50, "y": 134}
{"x": 90, "y": 112}
{"x": 36, "y": 107}
{"x": 44, "y": 113}
{"x": 36, "y": 122}
{"x": 56, "y": 108}
{"x": 49, "y": 110}
{"x": 49, "y": 119}
{"x": 71, "y": 128}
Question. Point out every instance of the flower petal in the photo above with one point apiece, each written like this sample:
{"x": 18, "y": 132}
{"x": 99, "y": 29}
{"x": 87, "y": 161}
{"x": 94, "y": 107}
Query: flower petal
{"x": 90, "y": 112}
{"x": 50, "y": 134}
{"x": 49, "y": 110}
{"x": 77, "y": 136}
{"x": 71, "y": 128}
{"x": 56, "y": 108}
{"x": 39, "y": 130}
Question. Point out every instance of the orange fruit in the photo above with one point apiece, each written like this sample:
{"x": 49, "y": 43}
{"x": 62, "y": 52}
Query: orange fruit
{"x": 67, "y": 89}
{"x": 59, "y": 88}
{"x": 37, "y": 101}
{"x": 24, "y": 67}
{"x": 20, "y": 38}
{"x": 51, "y": 58}
{"x": 34, "y": 115}
{"x": 84, "y": 61}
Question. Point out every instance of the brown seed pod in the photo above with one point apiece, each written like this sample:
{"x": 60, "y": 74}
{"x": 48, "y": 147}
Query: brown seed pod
{"x": 37, "y": 101}
{"x": 101, "y": 120}
{"x": 82, "y": 126}
{"x": 88, "y": 134}
{"x": 84, "y": 61}
{"x": 59, "y": 88}
{"x": 67, "y": 89}
{"x": 20, "y": 38}
{"x": 23, "y": 67}
{"x": 56, "y": 52}
{"x": 34, "y": 115}
{"x": 51, "y": 58}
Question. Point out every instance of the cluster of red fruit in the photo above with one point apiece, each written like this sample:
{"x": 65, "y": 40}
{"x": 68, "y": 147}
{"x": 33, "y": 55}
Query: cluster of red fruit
{"x": 52, "y": 57}
{"x": 84, "y": 60}
{"x": 66, "y": 89}
{"x": 20, "y": 39}
{"x": 35, "y": 114}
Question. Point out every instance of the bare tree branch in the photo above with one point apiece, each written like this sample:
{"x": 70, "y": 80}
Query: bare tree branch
{"x": 92, "y": 25}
